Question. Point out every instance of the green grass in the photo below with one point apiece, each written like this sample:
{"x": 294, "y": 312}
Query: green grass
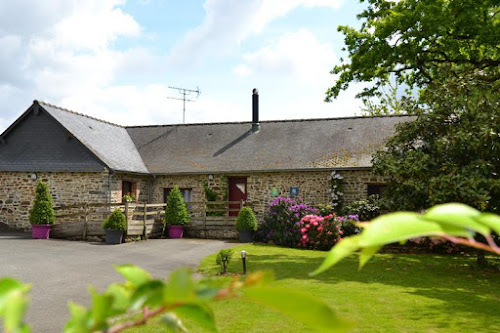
{"x": 393, "y": 293}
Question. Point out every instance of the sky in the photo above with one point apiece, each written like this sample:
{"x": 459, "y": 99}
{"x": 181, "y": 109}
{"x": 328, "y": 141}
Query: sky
{"x": 116, "y": 59}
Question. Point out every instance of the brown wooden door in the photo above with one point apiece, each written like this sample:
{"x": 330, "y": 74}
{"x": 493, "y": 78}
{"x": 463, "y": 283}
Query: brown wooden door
{"x": 237, "y": 192}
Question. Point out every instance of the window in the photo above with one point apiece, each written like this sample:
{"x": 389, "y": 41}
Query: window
{"x": 187, "y": 194}
{"x": 376, "y": 189}
{"x": 129, "y": 188}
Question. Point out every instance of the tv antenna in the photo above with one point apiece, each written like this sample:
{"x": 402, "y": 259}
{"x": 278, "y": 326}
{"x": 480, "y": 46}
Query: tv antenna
{"x": 185, "y": 92}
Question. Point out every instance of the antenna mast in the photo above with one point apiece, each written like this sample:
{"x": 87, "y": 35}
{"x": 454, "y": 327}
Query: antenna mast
{"x": 185, "y": 92}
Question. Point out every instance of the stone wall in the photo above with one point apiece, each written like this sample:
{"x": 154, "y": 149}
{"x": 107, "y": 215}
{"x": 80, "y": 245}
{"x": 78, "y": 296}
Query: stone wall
{"x": 313, "y": 186}
{"x": 356, "y": 183}
{"x": 17, "y": 192}
{"x": 17, "y": 189}
{"x": 141, "y": 183}
{"x": 194, "y": 182}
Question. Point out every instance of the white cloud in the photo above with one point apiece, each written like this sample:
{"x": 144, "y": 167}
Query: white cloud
{"x": 299, "y": 55}
{"x": 64, "y": 52}
{"x": 94, "y": 25}
{"x": 228, "y": 22}
{"x": 60, "y": 48}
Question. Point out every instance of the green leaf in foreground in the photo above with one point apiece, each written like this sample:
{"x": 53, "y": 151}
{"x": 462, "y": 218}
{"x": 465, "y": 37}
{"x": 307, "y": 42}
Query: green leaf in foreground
{"x": 80, "y": 319}
{"x": 180, "y": 286}
{"x": 304, "y": 308}
{"x": 7, "y": 286}
{"x": 458, "y": 215}
{"x": 200, "y": 314}
{"x": 149, "y": 294}
{"x": 14, "y": 312}
{"x": 133, "y": 274}
{"x": 490, "y": 220}
{"x": 395, "y": 227}
{"x": 366, "y": 254}
{"x": 343, "y": 249}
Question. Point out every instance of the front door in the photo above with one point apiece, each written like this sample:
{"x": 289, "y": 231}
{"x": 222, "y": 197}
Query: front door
{"x": 237, "y": 192}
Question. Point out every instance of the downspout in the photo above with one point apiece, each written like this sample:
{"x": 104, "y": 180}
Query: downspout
{"x": 110, "y": 187}
{"x": 151, "y": 186}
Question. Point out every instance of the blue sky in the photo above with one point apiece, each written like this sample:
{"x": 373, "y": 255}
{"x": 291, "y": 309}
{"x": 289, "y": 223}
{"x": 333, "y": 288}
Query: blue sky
{"x": 114, "y": 59}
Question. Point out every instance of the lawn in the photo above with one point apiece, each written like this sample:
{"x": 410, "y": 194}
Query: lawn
{"x": 393, "y": 293}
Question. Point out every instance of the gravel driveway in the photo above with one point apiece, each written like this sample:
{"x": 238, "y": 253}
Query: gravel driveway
{"x": 61, "y": 270}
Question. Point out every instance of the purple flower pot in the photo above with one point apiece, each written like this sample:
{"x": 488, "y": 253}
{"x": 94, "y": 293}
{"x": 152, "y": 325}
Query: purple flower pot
{"x": 175, "y": 231}
{"x": 40, "y": 231}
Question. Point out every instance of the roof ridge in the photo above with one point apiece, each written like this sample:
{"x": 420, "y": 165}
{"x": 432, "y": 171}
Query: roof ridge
{"x": 277, "y": 121}
{"x": 77, "y": 113}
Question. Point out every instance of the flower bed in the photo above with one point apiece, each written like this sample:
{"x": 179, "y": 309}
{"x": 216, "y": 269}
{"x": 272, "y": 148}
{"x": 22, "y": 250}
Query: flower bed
{"x": 292, "y": 223}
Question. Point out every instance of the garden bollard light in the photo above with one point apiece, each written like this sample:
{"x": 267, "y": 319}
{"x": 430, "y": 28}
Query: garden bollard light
{"x": 243, "y": 257}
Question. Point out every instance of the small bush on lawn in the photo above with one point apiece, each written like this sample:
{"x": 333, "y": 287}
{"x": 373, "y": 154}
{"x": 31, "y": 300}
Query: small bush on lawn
{"x": 281, "y": 224}
{"x": 176, "y": 211}
{"x": 246, "y": 220}
{"x": 223, "y": 259}
{"x": 42, "y": 211}
{"x": 115, "y": 221}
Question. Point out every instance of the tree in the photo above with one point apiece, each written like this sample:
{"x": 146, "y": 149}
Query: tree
{"x": 420, "y": 43}
{"x": 391, "y": 102}
{"x": 451, "y": 154}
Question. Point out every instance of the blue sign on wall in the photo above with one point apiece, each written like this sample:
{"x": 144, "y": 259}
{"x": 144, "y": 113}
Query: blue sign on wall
{"x": 294, "y": 191}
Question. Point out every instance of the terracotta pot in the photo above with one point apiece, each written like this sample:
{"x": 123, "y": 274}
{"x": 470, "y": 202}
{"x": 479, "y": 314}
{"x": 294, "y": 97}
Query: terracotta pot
{"x": 175, "y": 231}
{"x": 40, "y": 231}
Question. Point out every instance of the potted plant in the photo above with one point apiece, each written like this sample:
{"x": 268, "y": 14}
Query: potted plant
{"x": 42, "y": 215}
{"x": 246, "y": 224}
{"x": 176, "y": 215}
{"x": 114, "y": 226}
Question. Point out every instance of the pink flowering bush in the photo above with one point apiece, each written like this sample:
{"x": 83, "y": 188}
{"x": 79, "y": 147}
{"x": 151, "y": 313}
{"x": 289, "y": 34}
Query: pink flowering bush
{"x": 320, "y": 233}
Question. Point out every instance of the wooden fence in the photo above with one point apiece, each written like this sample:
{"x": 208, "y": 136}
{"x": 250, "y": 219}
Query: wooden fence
{"x": 84, "y": 220}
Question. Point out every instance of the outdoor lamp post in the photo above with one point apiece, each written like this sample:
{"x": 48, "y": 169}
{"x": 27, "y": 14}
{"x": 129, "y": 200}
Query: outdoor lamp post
{"x": 243, "y": 258}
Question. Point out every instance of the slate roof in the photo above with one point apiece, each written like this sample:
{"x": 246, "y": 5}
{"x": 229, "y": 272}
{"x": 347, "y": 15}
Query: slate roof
{"x": 288, "y": 145}
{"x": 109, "y": 142}
{"x": 278, "y": 145}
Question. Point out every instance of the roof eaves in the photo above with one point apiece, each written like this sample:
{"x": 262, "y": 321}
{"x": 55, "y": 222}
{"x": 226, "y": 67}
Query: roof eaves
{"x": 263, "y": 171}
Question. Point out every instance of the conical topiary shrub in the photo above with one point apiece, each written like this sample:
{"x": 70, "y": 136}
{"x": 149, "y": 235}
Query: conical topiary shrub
{"x": 42, "y": 215}
{"x": 42, "y": 211}
{"x": 176, "y": 214}
{"x": 246, "y": 224}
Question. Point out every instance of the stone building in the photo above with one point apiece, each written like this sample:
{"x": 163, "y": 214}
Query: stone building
{"x": 84, "y": 159}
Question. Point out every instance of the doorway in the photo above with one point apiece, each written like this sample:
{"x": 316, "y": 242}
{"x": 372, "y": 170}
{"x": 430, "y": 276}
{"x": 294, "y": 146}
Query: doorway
{"x": 237, "y": 192}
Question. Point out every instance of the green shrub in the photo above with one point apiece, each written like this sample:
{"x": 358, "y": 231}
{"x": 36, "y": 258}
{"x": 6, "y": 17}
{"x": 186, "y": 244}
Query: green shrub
{"x": 42, "y": 211}
{"x": 211, "y": 195}
{"x": 176, "y": 212}
{"x": 325, "y": 210}
{"x": 366, "y": 210}
{"x": 223, "y": 259}
{"x": 246, "y": 220}
{"x": 115, "y": 221}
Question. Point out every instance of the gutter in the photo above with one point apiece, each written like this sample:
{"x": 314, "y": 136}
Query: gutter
{"x": 239, "y": 172}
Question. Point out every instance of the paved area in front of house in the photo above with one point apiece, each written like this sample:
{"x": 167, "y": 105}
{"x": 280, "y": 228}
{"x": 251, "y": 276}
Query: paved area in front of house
{"x": 61, "y": 270}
